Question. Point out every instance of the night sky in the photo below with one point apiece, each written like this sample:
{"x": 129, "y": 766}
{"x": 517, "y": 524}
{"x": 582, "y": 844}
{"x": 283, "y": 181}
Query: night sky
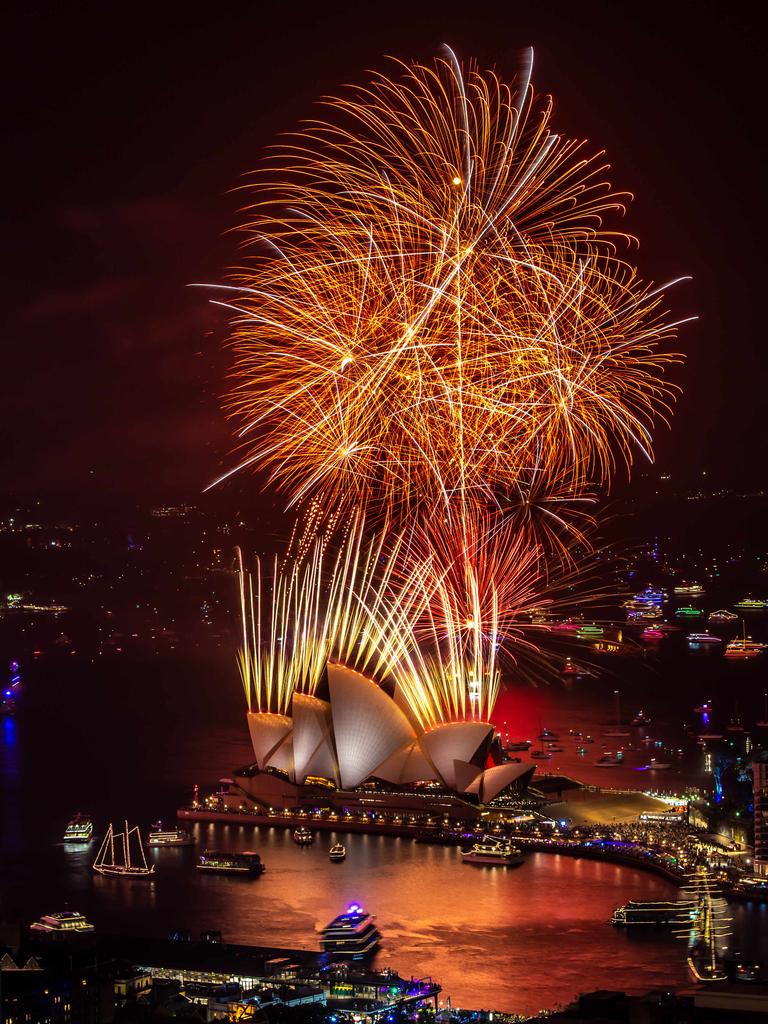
{"x": 127, "y": 125}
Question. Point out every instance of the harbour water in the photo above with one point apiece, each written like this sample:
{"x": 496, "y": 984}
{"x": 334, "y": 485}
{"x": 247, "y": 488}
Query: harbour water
{"x": 508, "y": 939}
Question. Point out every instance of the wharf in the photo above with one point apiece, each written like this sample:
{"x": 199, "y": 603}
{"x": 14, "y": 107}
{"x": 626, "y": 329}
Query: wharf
{"x": 320, "y": 823}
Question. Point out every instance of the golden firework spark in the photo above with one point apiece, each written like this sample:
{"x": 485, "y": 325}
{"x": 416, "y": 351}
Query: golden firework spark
{"x": 435, "y": 308}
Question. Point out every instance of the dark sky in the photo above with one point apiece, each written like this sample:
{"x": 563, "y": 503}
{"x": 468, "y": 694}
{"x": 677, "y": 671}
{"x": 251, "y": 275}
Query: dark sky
{"x": 128, "y": 124}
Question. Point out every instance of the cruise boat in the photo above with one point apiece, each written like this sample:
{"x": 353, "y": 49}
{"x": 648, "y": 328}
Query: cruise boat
{"x": 688, "y": 612}
{"x": 352, "y": 935}
{"x": 688, "y": 589}
{"x": 79, "y": 829}
{"x": 218, "y": 862}
{"x": 66, "y": 922}
{"x": 337, "y": 852}
{"x": 703, "y": 638}
{"x": 303, "y": 837}
{"x": 648, "y": 912}
{"x": 722, "y": 615}
{"x": 490, "y": 850}
{"x": 115, "y": 858}
{"x": 173, "y": 836}
{"x": 751, "y": 604}
{"x": 650, "y": 595}
{"x": 745, "y": 648}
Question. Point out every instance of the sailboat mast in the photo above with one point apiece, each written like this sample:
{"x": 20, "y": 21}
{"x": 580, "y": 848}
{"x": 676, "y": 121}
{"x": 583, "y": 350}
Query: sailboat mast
{"x": 126, "y": 846}
{"x": 111, "y": 845}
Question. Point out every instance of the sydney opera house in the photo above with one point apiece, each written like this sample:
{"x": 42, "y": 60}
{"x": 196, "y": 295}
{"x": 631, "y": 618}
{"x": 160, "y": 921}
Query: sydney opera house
{"x": 363, "y": 747}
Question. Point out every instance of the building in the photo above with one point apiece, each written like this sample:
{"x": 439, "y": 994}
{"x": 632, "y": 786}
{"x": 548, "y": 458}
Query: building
{"x": 360, "y": 734}
{"x": 760, "y": 802}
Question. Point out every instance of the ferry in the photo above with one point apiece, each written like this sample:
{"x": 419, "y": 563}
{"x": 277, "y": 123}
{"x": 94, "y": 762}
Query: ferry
{"x": 590, "y": 632}
{"x": 650, "y": 595}
{"x": 688, "y": 612}
{"x": 79, "y": 829}
{"x": 66, "y": 922}
{"x": 337, "y": 852}
{"x": 225, "y": 863}
{"x": 652, "y": 633}
{"x": 173, "y": 836}
{"x": 648, "y": 912}
{"x": 609, "y": 761}
{"x": 746, "y": 648}
{"x": 723, "y": 615}
{"x": 491, "y": 850}
{"x": 352, "y": 935}
{"x": 688, "y": 589}
{"x": 303, "y": 837}
{"x": 751, "y": 604}
{"x": 703, "y": 638}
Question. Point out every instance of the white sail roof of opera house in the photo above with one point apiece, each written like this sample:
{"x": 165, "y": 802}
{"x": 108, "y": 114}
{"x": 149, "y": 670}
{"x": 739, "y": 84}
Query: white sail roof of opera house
{"x": 493, "y": 780}
{"x": 454, "y": 741}
{"x": 405, "y": 765}
{"x": 368, "y": 726}
{"x": 269, "y": 735}
{"x": 313, "y": 750}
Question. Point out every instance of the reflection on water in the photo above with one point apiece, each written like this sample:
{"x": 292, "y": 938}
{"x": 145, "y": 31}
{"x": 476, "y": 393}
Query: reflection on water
{"x": 514, "y": 939}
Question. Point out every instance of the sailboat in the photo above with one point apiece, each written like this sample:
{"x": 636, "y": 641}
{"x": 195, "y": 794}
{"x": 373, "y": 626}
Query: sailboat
{"x": 114, "y": 856}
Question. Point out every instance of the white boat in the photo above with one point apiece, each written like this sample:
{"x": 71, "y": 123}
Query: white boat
{"x": 337, "y": 852}
{"x": 116, "y": 859}
{"x": 704, "y": 638}
{"x": 722, "y": 615}
{"x": 491, "y": 850}
{"x": 692, "y": 589}
{"x": 173, "y": 836}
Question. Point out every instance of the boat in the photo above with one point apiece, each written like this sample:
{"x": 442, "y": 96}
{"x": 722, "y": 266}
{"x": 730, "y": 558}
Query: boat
{"x": 647, "y": 912}
{"x": 650, "y": 595}
{"x": 641, "y": 719}
{"x": 337, "y": 852}
{"x": 303, "y": 837}
{"x": 519, "y": 745}
{"x": 688, "y": 589}
{"x": 744, "y": 648}
{"x": 722, "y": 615}
{"x": 173, "y": 836}
{"x": 79, "y": 829}
{"x": 114, "y": 856}
{"x": 555, "y": 748}
{"x": 547, "y": 734}
{"x": 609, "y": 761}
{"x": 590, "y": 632}
{"x": 66, "y": 922}
{"x": 491, "y": 850}
{"x": 688, "y": 612}
{"x": 571, "y": 669}
{"x": 704, "y": 709}
{"x": 352, "y": 935}
{"x": 225, "y": 863}
{"x": 658, "y": 766}
{"x": 541, "y": 755}
{"x": 751, "y": 604}
{"x": 652, "y": 633}
{"x": 694, "y": 639}
{"x": 12, "y": 690}
{"x": 752, "y": 887}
